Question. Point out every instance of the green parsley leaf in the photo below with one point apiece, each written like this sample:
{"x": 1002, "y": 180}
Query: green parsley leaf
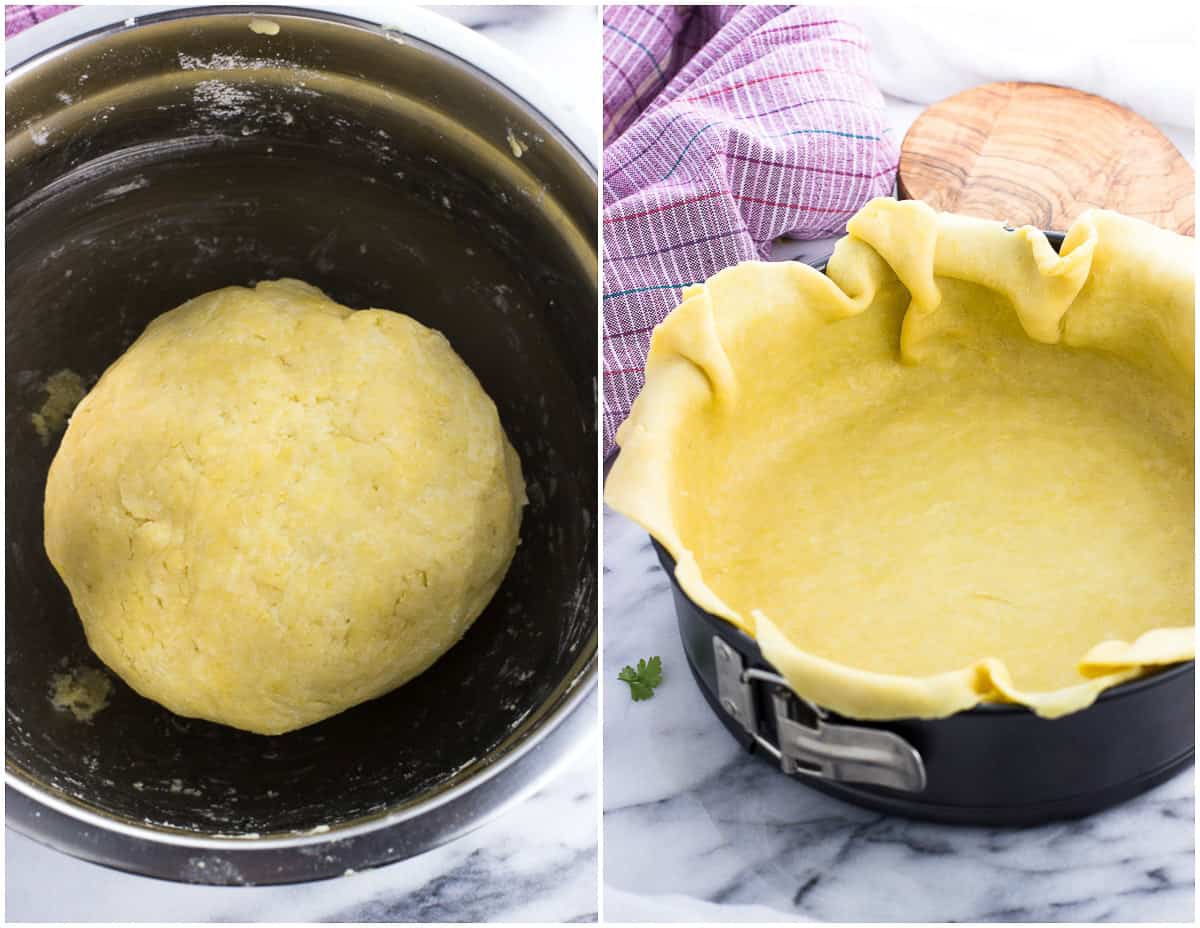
{"x": 643, "y": 680}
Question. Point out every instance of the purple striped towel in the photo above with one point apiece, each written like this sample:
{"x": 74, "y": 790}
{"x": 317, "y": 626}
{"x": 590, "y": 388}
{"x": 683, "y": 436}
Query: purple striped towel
{"x": 725, "y": 127}
{"x": 20, "y": 16}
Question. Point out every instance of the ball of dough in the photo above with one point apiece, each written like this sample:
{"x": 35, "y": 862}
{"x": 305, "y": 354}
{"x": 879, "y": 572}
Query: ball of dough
{"x": 272, "y": 508}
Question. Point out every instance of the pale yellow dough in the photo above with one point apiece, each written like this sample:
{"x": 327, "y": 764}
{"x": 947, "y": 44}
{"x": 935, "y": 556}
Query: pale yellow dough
{"x": 959, "y": 468}
{"x": 272, "y": 508}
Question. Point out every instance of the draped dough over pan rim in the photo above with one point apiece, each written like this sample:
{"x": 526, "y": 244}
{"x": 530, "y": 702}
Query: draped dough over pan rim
{"x": 955, "y": 468}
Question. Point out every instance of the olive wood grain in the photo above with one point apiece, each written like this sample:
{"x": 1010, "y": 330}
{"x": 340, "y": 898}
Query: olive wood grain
{"x": 1039, "y": 154}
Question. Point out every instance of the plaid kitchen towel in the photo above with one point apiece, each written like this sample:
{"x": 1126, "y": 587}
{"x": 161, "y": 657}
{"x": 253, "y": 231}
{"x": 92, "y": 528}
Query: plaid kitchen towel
{"x": 20, "y": 16}
{"x": 725, "y": 127}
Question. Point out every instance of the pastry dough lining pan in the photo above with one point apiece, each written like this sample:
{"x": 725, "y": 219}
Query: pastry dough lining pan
{"x": 994, "y": 764}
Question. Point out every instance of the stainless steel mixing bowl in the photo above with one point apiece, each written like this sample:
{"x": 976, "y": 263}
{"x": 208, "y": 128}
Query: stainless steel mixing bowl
{"x": 153, "y": 161}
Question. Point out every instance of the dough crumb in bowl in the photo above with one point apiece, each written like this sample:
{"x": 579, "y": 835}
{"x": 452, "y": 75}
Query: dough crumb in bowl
{"x": 272, "y": 507}
{"x": 64, "y": 389}
{"x": 82, "y": 691}
{"x": 264, "y": 27}
{"x": 515, "y": 145}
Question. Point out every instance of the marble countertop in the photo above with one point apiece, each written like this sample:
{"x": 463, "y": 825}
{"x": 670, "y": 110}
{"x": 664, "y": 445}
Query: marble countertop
{"x": 537, "y": 862}
{"x": 695, "y": 829}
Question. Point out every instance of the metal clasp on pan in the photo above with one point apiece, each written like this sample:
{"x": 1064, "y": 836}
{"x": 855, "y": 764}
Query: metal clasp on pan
{"x": 808, "y": 744}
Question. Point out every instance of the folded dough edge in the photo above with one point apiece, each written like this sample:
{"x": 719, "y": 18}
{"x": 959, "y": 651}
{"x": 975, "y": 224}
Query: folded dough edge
{"x": 1118, "y": 284}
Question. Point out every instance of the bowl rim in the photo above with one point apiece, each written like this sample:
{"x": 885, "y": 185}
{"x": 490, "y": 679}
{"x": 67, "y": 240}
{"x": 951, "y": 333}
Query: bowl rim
{"x": 471, "y": 50}
{"x": 511, "y": 77}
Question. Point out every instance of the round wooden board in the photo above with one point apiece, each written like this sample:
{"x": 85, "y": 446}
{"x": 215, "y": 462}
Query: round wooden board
{"x": 1036, "y": 154}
